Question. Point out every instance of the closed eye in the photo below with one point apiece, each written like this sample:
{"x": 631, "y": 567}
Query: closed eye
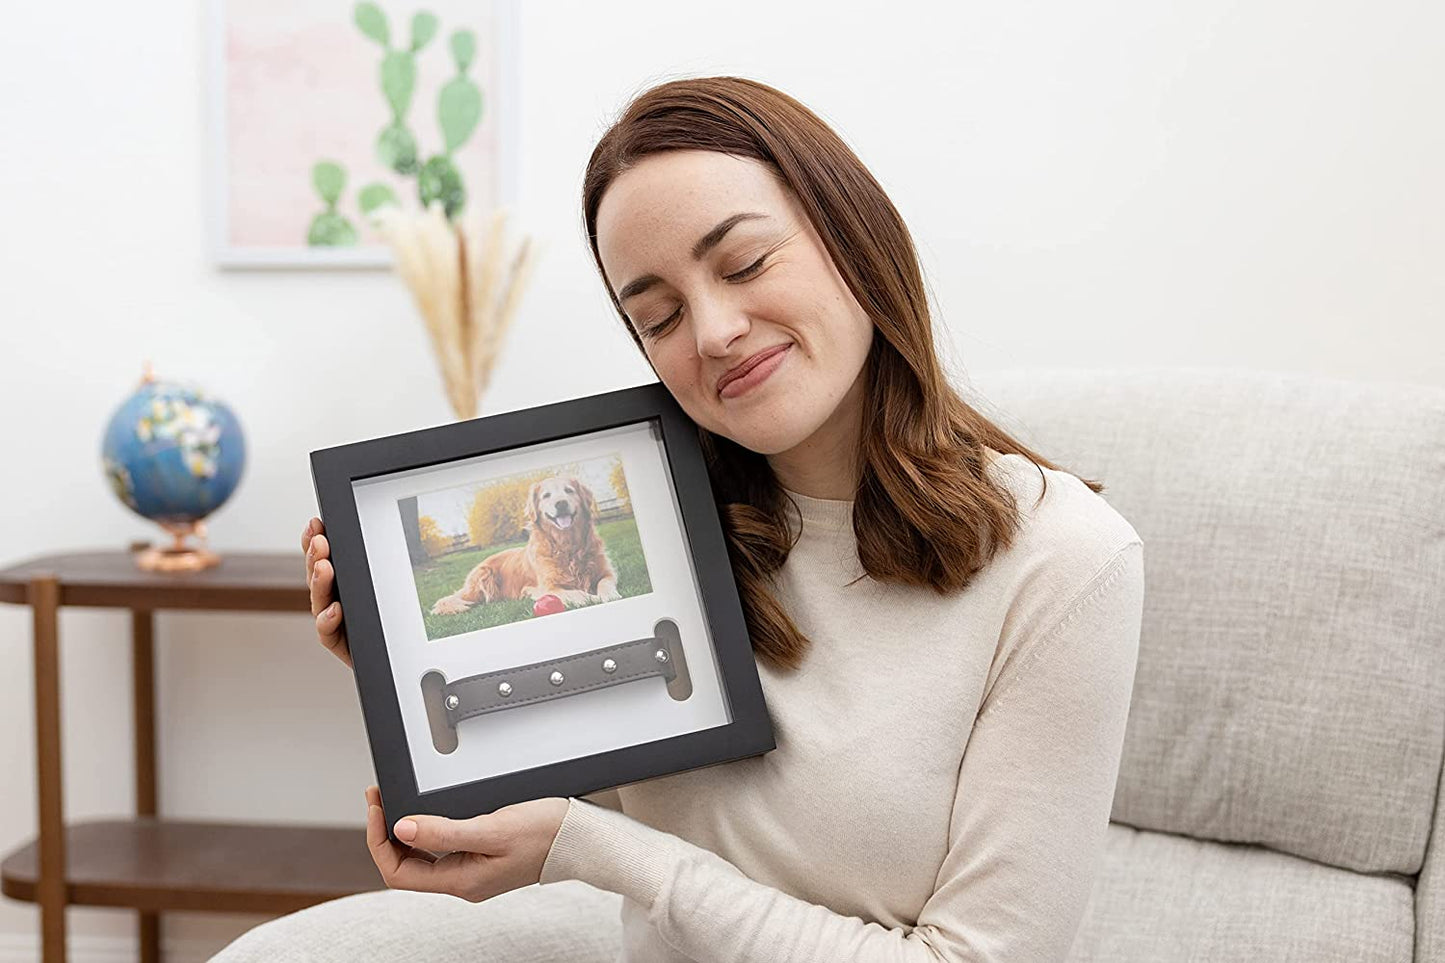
{"x": 749, "y": 269}
{"x": 744, "y": 274}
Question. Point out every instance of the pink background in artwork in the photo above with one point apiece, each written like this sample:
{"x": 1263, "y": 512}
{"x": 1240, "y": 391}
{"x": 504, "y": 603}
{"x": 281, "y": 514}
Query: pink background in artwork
{"x": 303, "y": 85}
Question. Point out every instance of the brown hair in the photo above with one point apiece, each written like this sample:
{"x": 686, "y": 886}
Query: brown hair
{"x": 925, "y": 512}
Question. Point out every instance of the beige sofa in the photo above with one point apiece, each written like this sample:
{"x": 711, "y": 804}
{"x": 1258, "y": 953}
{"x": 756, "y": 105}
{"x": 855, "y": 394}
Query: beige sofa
{"x": 1279, "y": 792}
{"x": 1280, "y": 783}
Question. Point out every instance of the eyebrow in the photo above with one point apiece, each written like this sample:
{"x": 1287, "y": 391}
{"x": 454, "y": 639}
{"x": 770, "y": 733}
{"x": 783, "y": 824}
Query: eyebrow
{"x": 704, "y": 244}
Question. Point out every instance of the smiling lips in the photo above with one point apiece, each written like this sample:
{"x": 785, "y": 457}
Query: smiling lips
{"x": 748, "y": 365}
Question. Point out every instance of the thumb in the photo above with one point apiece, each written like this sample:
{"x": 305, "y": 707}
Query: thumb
{"x": 442, "y": 835}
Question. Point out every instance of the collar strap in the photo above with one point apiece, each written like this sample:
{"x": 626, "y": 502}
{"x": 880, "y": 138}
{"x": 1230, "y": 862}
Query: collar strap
{"x": 449, "y": 703}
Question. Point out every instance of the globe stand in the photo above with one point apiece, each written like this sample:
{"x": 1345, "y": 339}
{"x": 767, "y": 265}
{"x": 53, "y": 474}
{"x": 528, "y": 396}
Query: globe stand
{"x": 178, "y": 557}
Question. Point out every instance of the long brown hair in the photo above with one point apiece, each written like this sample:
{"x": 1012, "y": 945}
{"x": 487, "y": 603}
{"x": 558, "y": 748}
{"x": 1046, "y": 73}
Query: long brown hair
{"x": 925, "y": 511}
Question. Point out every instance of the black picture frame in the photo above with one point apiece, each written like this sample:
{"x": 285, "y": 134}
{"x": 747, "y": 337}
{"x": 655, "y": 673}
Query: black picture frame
{"x": 748, "y": 730}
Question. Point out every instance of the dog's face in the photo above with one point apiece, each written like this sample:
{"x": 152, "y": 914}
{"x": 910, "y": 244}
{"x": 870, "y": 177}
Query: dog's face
{"x": 560, "y": 504}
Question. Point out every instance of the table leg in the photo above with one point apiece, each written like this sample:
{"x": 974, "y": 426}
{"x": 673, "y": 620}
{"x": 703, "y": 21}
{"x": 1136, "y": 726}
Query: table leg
{"x": 43, "y": 594}
{"x": 143, "y": 701}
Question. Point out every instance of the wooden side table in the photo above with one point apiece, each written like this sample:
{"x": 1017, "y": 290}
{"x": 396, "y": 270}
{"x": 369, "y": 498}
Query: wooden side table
{"x": 146, "y": 862}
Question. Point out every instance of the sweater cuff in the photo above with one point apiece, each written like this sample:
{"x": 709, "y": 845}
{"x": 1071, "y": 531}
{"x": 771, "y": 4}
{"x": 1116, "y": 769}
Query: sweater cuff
{"x": 612, "y": 851}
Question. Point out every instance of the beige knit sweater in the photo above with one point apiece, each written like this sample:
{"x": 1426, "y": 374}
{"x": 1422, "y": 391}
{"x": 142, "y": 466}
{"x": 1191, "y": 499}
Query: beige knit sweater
{"x": 944, "y": 770}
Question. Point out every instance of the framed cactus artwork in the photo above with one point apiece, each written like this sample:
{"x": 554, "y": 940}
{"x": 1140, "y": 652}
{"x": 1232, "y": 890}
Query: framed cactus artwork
{"x": 323, "y": 111}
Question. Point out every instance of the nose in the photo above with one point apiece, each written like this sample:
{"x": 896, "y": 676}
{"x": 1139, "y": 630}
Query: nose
{"x": 717, "y": 323}
{"x": 562, "y": 506}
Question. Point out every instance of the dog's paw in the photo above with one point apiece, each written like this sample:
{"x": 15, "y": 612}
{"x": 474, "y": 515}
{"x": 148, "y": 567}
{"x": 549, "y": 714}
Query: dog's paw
{"x": 609, "y": 595}
{"x": 450, "y": 605}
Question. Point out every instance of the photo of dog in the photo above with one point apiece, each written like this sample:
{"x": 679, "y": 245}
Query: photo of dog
{"x": 564, "y": 555}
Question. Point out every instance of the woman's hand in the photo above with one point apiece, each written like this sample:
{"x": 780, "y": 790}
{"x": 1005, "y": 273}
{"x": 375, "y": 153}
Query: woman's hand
{"x": 475, "y": 858}
{"x": 321, "y": 578}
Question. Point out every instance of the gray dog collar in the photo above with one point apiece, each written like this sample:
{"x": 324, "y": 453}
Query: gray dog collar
{"x": 657, "y": 656}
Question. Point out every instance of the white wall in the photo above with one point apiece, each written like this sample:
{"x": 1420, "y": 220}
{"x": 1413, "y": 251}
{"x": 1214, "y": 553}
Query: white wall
{"x": 1123, "y": 182}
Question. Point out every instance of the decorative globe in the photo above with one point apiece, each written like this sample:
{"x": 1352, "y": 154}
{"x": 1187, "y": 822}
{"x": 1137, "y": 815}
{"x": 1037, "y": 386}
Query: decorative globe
{"x": 173, "y": 454}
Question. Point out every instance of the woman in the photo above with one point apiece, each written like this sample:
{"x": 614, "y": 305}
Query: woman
{"x": 945, "y": 623}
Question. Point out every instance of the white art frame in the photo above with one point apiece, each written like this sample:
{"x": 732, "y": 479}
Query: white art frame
{"x": 502, "y": 107}
{"x": 594, "y": 722}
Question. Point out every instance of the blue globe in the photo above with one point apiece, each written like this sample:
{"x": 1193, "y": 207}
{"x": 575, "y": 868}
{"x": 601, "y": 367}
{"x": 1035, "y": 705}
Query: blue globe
{"x": 172, "y": 453}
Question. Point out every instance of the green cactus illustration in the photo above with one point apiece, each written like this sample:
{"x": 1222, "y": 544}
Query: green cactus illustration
{"x": 459, "y": 105}
{"x": 330, "y": 228}
{"x": 423, "y": 28}
{"x": 373, "y": 23}
{"x": 398, "y": 80}
{"x": 373, "y": 196}
{"x": 396, "y": 144}
{"x": 396, "y": 149}
{"x": 459, "y": 112}
{"x": 439, "y": 180}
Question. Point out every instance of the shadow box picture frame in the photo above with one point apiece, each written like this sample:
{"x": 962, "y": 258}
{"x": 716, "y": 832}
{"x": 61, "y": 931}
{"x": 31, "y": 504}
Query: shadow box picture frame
{"x": 539, "y": 603}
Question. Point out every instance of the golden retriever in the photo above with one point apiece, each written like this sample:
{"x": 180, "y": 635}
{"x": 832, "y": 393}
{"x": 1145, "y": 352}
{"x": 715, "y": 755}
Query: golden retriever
{"x": 564, "y": 556}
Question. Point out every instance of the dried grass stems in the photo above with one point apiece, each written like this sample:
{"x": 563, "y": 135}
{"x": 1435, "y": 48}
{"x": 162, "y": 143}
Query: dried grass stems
{"x": 466, "y": 297}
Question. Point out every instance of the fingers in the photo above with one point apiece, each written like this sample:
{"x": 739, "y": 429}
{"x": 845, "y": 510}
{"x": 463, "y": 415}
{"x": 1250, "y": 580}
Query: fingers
{"x": 324, "y": 604}
{"x": 308, "y": 536}
{"x": 312, "y": 527}
{"x": 384, "y": 853}
{"x": 480, "y": 834}
{"x": 322, "y": 584}
{"x": 401, "y": 867}
{"x": 322, "y": 578}
{"x": 309, "y": 545}
{"x": 373, "y": 809}
{"x": 329, "y": 631}
{"x": 317, "y": 548}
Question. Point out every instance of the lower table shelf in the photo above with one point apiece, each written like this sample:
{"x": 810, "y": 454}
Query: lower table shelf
{"x": 150, "y": 863}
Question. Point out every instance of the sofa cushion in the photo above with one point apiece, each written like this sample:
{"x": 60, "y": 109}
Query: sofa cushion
{"x": 1162, "y": 897}
{"x": 1290, "y": 689}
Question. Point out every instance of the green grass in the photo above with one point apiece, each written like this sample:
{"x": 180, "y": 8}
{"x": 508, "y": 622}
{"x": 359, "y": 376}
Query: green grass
{"x": 446, "y": 574}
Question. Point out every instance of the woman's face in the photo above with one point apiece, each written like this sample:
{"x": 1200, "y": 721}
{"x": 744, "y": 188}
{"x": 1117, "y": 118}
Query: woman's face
{"x": 714, "y": 262}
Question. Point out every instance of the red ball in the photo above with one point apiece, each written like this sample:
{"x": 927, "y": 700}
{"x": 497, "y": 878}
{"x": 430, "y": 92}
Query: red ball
{"x": 547, "y": 604}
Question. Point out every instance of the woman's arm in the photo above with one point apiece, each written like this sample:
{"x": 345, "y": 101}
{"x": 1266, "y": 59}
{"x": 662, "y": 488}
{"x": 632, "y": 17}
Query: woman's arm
{"x": 1026, "y": 836}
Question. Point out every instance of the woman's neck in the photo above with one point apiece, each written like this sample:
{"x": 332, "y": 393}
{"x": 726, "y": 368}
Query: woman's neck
{"x": 825, "y": 464}
{"x": 833, "y": 482}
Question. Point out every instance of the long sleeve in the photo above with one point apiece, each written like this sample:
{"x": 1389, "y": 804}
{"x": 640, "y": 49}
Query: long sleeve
{"x": 607, "y": 798}
{"x": 1025, "y": 837}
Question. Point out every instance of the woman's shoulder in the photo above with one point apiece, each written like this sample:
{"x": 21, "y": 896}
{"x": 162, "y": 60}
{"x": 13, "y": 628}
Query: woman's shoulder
{"x": 1063, "y": 523}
